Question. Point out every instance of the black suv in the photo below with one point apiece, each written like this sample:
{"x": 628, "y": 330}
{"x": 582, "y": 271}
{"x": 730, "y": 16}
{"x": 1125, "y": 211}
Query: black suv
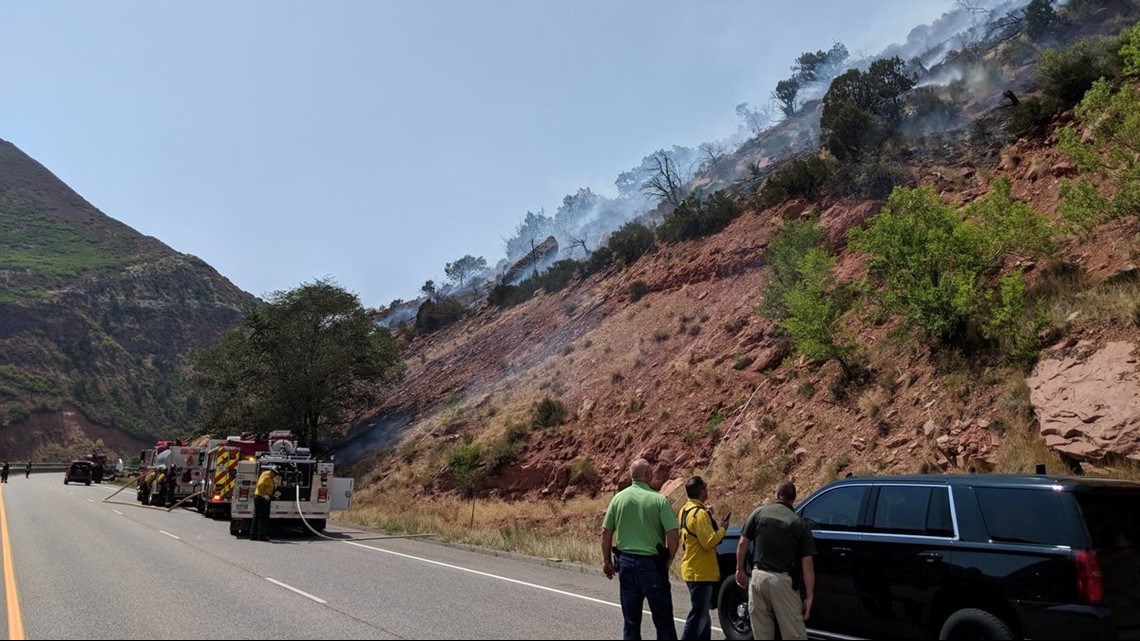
{"x": 956, "y": 557}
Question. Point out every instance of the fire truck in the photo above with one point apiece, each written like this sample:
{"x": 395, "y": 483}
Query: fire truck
{"x": 176, "y": 471}
{"x": 307, "y": 490}
{"x": 98, "y": 464}
{"x": 219, "y": 471}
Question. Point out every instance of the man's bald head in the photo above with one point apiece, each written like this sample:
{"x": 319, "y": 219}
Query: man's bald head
{"x": 640, "y": 470}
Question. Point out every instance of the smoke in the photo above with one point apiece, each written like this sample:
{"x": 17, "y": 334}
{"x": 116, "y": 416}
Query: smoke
{"x": 585, "y": 219}
{"x": 383, "y": 431}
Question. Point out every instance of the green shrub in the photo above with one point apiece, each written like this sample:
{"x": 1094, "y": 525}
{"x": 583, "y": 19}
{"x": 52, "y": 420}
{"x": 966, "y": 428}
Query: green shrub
{"x": 936, "y": 265}
{"x": 870, "y": 176}
{"x": 631, "y": 242}
{"x": 1013, "y": 323}
{"x": 502, "y": 295}
{"x": 799, "y": 178}
{"x": 637, "y": 290}
{"x": 435, "y": 315}
{"x": 1032, "y": 117}
{"x": 582, "y": 471}
{"x": 501, "y": 453}
{"x": 601, "y": 258}
{"x": 1067, "y": 74}
{"x": 795, "y": 240}
{"x": 556, "y": 278}
{"x": 548, "y": 413}
{"x": 465, "y": 465}
{"x": 815, "y": 306}
{"x": 1112, "y": 117}
{"x": 695, "y": 218}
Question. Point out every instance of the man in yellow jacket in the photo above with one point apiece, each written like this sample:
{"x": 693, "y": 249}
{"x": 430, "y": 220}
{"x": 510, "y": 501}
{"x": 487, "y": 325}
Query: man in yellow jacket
{"x": 262, "y": 495}
{"x": 700, "y": 535}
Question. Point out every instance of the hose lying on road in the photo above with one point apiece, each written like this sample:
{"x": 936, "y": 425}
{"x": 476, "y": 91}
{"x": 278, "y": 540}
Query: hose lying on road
{"x": 148, "y": 507}
{"x": 300, "y": 513}
{"x": 381, "y": 537}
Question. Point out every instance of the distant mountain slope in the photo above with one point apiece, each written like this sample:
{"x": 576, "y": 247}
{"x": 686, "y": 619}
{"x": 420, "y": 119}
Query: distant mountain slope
{"x": 95, "y": 320}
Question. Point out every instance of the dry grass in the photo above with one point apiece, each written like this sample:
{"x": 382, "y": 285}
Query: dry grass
{"x": 1023, "y": 448}
{"x": 522, "y": 527}
{"x": 872, "y": 401}
{"x": 1117, "y": 301}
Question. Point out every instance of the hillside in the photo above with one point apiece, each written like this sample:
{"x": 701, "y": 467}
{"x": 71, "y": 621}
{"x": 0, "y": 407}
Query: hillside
{"x": 668, "y": 358}
{"x": 95, "y": 319}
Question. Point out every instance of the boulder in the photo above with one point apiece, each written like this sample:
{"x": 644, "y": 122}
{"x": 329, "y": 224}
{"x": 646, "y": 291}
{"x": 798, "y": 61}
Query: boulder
{"x": 1088, "y": 404}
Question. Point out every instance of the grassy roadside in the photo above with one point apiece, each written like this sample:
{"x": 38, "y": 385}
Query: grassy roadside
{"x": 553, "y": 529}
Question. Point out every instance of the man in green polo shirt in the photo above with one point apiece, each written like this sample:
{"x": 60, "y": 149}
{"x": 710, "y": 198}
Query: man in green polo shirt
{"x": 641, "y": 529}
{"x": 783, "y": 541}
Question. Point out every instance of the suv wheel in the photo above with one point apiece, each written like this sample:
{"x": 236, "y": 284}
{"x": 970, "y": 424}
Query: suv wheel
{"x": 972, "y": 623}
{"x": 732, "y": 610}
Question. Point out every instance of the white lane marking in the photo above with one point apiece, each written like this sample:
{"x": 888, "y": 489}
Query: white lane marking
{"x": 301, "y": 592}
{"x": 118, "y": 512}
{"x": 170, "y": 535}
{"x": 89, "y": 500}
{"x": 502, "y": 578}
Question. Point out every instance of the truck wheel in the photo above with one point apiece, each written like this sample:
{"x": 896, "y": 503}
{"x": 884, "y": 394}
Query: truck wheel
{"x": 971, "y": 623}
{"x": 65, "y": 481}
{"x": 239, "y": 527}
{"x": 732, "y": 610}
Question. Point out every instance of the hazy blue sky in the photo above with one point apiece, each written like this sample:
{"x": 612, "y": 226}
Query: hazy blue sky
{"x": 374, "y": 141}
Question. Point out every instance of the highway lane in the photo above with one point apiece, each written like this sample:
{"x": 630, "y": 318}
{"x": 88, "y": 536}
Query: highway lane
{"x": 84, "y": 567}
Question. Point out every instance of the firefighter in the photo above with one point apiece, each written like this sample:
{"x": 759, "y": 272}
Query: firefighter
{"x": 158, "y": 490}
{"x": 262, "y": 495}
{"x": 144, "y": 486}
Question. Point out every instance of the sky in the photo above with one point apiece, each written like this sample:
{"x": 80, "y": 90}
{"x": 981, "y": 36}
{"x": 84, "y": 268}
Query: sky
{"x": 372, "y": 142}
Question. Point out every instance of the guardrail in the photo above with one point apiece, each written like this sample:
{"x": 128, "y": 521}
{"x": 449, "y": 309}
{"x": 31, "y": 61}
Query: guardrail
{"x": 39, "y": 467}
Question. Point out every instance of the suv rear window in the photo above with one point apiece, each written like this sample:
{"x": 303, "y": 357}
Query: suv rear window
{"x": 1113, "y": 518}
{"x": 1028, "y": 515}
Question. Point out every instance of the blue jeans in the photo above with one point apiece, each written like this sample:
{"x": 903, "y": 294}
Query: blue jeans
{"x": 641, "y": 578}
{"x": 698, "y": 625}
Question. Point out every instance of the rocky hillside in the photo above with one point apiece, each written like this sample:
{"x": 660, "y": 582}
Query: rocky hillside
{"x": 668, "y": 358}
{"x": 95, "y": 319}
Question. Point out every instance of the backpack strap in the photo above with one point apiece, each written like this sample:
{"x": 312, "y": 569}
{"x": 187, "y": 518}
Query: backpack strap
{"x": 684, "y": 519}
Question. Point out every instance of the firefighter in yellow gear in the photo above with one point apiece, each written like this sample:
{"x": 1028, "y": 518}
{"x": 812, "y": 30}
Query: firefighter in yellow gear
{"x": 262, "y": 495}
{"x": 145, "y": 481}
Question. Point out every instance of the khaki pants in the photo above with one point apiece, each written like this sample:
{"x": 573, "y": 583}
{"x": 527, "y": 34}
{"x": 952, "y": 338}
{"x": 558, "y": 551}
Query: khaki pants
{"x": 772, "y": 600}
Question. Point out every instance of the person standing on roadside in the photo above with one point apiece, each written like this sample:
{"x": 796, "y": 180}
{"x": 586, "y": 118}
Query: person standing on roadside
{"x": 4, "y": 472}
{"x": 700, "y": 535}
{"x": 640, "y": 530}
{"x": 783, "y": 540}
{"x": 262, "y": 495}
{"x": 28, "y": 470}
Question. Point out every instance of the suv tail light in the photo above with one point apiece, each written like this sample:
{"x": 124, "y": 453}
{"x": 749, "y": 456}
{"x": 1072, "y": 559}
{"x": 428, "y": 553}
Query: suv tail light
{"x": 1090, "y": 580}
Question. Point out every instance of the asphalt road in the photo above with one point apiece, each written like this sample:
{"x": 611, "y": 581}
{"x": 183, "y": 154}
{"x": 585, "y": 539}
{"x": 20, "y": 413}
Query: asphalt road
{"x": 78, "y": 566}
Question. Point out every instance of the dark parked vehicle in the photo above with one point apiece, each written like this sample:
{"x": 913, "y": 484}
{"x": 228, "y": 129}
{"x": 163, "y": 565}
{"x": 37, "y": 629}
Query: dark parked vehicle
{"x": 966, "y": 557}
{"x": 78, "y": 472}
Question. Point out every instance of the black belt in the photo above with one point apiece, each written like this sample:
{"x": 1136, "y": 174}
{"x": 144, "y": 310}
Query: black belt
{"x": 764, "y": 569}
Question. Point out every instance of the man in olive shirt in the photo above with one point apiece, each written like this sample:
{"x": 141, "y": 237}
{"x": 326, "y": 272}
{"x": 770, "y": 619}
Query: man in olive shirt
{"x": 782, "y": 540}
{"x": 641, "y": 529}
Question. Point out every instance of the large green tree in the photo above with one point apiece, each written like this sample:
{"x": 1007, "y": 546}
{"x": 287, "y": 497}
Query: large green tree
{"x": 308, "y": 360}
{"x": 863, "y": 108}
